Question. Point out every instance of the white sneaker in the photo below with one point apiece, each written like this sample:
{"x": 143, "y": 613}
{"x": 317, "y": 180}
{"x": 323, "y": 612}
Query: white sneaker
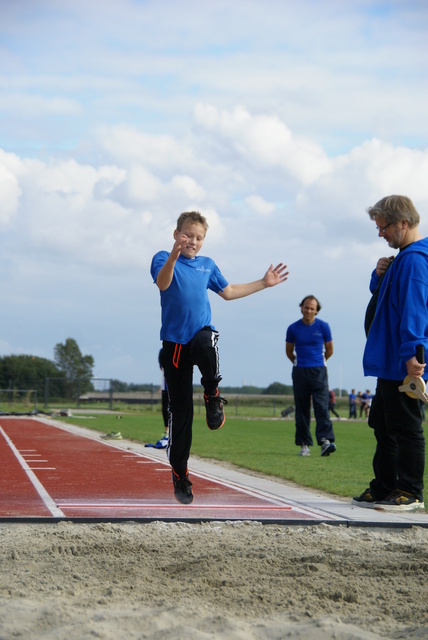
{"x": 304, "y": 451}
{"x": 113, "y": 435}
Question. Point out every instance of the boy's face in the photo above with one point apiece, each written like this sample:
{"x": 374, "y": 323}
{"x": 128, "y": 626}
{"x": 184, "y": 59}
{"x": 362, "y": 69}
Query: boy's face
{"x": 193, "y": 234}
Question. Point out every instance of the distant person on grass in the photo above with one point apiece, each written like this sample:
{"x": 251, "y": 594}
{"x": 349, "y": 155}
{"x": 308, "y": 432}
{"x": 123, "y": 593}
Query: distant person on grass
{"x": 368, "y": 402}
{"x": 352, "y": 404}
{"x": 363, "y": 404}
{"x": 396, "y": 323}
{"x": 309, "y": 344}
{"x": 332, "y": 403}
{"x": 189, "y": 337}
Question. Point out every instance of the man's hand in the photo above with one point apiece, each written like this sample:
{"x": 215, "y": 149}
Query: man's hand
{"x": 382, "y": 265}
{"x": 274, "y": 276}
{"x": 415, "y": 368}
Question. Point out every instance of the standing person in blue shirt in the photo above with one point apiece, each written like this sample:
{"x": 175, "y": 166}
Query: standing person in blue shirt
{"x": 396, "y": 323}
{"x": 352, "y": 404}
{"x": 189, "y": 338}
{"x": 309, "y": 344}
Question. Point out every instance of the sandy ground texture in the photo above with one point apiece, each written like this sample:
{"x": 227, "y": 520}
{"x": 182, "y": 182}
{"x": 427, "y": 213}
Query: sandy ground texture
{"x": 217, "y": 580}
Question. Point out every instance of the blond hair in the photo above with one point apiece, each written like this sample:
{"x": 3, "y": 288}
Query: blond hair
{"x": 192, "y": 217}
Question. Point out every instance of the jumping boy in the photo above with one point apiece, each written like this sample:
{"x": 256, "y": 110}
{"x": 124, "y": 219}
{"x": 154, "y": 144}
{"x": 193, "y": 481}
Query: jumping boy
{"x": 189, "y": 338}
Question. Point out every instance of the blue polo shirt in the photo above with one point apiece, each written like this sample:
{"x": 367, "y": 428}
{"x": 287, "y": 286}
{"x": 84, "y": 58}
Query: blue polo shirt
{"x": 308, "y": 340}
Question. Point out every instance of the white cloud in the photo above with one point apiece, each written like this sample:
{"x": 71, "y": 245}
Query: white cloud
{"x": 121, "y": 213}
{"x": 128, "y": 144}
{"x": 259, "y": 205}
{"x": 9, "y": 194}
{"x": 142, "y": 185}
{"x": 396, "y": 169}
{"x": 189, "y": 186}
{"x": 264, "y": 141}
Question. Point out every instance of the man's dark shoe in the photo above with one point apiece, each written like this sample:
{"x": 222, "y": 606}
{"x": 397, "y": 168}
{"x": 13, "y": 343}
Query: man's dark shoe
{"x": 400, "y": 501}
{"x": 214, "y": 408}
{"x": 182, "y": 488}
{"x": 327, "y": 447}
{"x": 365, "y": 500}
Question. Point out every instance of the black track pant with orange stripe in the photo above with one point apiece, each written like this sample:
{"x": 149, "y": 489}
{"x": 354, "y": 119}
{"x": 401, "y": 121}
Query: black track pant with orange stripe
{"x": 178, "y": 361}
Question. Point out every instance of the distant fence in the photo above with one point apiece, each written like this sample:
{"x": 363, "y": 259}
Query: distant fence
{"x": 126, "y": 397}
{"x": 239, "y": 404}
{"x": 250, "y": 404}
{"x": 59, "y": 391}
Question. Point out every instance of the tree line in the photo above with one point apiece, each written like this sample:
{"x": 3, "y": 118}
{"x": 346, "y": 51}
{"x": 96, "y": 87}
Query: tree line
{"x": 68, "y": 372}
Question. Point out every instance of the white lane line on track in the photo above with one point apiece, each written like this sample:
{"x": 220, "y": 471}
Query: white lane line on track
{"x": 49, "y": 503}
{"x": 174, "y": 506}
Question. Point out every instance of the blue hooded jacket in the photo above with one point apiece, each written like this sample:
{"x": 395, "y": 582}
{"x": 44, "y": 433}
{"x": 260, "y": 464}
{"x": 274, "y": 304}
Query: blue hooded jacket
{"x": 400, "y": 323}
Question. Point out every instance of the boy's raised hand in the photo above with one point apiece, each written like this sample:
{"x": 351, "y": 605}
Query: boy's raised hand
{"x": 275, "y": 275}
{"x": 179, "y": 244}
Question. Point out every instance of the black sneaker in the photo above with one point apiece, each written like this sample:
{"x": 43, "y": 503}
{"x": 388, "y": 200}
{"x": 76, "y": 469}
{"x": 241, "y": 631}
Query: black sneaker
{"x": 214, "y": 408}
{"x": 400, "y": 501}
{"x": 182, "y": 490}
{"x": 327, "y": 447}
{"x": 365, "y": 500}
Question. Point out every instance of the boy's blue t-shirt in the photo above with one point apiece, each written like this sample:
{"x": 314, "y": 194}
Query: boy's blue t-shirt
{"x": 185, "y": 305}
{"x": 309, "y": 342}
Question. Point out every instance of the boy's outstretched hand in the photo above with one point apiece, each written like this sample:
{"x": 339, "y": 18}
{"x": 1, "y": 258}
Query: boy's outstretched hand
{"x": 275, "y": 275}
{"x": 272, "y": 277}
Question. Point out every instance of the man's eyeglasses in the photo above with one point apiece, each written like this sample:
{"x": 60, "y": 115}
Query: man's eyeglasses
{"x": 383, "y": 229}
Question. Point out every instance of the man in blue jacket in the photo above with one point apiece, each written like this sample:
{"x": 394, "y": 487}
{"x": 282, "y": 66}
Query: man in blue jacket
{"x": 396, "y": 324}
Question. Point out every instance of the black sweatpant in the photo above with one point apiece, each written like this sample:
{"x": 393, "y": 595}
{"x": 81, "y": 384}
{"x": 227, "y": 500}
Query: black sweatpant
{"x": 311, "y": 382}
{"x": 178, "y": 361}
{"x": 399, "y": 459}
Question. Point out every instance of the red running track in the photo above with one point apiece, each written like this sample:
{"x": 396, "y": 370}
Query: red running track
{"x": 49, "y": 472}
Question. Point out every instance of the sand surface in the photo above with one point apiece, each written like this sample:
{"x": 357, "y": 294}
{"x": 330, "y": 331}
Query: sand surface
{"x": 212, "y": 580}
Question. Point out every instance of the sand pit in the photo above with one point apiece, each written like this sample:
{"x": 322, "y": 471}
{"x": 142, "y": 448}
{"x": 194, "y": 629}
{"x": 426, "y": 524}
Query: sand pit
{"x": 216, "y": 580}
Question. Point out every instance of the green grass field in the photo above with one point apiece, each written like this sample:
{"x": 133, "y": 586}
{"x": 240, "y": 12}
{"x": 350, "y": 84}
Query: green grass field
{"x": 264, "y": 445}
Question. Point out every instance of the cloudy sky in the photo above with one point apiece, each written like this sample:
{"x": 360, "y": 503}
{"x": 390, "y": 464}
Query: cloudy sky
{"x": 281, "y": 121}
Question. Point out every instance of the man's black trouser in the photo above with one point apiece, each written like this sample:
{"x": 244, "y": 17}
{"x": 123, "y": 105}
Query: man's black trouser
{"x": 178, "y": 361}
{"x": 311, "y": 383}
{"x": 399, "y": 459}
